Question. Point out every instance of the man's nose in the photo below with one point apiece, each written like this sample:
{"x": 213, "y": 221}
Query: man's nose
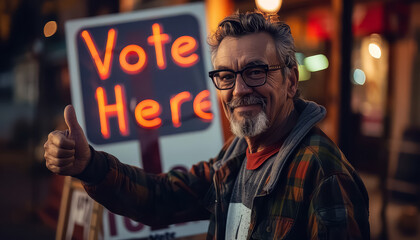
{"x": 241, "y": 88}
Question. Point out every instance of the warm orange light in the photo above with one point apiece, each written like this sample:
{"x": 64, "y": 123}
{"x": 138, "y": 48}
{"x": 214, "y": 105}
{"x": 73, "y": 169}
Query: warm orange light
{"x": 158, "y": 40}
{"x": 118, "y": 109}
{"x": 146, "y": 113}
{"x": 50, "y": 28}
{"x": 103, "y": 68}
{"x": 182, "y": 51}
{"x": 202, "y": 105}
{"x": 122, "y": 115}
{"x": 176, "y": 103}
{"x": 136, "y": 67}
{"x": 269, "y": 6}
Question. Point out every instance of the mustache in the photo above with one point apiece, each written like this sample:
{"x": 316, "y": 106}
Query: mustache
{"x": 246, "y": 100}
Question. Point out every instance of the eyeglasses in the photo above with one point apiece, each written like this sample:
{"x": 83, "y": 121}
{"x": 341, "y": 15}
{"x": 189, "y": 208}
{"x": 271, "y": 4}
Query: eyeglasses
{"x": 253, "y": 76}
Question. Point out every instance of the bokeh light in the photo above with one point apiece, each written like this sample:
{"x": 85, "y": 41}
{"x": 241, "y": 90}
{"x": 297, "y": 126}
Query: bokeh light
{"x": 316, "y": 63}
{"x": 50, "y": 28}
{"x": 269, "y": 6}
{"x": 375, "y": 50}
{"x": 304, "y": 74}
{"x": 359, "y": 77}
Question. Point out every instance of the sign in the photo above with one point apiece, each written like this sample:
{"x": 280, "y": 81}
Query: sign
{"x": 145, "y": 74}
{"x": 140, "y": 89}
{"x": 81, "y": 211}
{"x": 79, "y": 216}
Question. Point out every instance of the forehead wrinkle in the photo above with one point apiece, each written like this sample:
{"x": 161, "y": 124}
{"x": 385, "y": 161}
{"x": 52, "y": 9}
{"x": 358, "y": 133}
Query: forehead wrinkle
{"x": 241, "y": 52}
{"x": 255, "y": 62}
{"x": 222, "y": 68}
{"x": 249, "y": 64}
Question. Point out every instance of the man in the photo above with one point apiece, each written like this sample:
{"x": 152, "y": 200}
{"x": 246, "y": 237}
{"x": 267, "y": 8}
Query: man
{"x": 281, "y": 177}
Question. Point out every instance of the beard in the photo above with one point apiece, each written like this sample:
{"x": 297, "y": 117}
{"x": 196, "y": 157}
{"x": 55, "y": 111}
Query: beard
{"x": 248, "y": 126}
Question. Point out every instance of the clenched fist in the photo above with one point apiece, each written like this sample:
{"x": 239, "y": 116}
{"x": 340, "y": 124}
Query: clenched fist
{"x": 67, "y": 152}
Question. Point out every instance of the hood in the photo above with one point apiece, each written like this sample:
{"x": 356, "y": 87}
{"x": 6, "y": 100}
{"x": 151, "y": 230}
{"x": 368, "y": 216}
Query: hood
{"x": 310, "y": 114}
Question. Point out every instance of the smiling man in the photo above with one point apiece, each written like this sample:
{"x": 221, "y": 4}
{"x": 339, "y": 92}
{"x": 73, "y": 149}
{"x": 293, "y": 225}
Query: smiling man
{"x": 281, "y": 177}
{"x": 262, "y": 99}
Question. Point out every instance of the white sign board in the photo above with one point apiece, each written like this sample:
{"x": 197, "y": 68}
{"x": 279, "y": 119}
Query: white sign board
{"x": 141, "y": 92}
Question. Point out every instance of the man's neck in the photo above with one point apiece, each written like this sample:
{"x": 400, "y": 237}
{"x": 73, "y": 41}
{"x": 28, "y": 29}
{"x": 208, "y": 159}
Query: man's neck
{"x": 273, "y": 135}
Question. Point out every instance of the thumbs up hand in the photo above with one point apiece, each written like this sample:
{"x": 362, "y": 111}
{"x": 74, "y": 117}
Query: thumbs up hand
{"x": 67, "y": 152}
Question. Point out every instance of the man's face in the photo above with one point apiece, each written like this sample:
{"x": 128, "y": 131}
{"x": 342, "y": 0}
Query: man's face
{"x": 253, "y": 110}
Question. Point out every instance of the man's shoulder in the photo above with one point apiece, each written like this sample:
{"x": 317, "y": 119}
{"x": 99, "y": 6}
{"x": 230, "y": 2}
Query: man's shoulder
{"x": 323, "y": 153}
{"x": 233, "y": 146}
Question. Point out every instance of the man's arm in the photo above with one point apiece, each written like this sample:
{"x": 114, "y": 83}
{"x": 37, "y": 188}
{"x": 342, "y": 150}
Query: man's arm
{"x": 153, "y": 199}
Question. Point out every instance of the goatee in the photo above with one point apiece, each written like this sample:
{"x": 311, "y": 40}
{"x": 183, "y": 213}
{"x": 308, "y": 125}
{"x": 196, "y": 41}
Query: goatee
{"x": 249, "y": 126}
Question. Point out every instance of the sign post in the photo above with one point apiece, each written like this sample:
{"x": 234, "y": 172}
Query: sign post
{"x": 140, "y": 89}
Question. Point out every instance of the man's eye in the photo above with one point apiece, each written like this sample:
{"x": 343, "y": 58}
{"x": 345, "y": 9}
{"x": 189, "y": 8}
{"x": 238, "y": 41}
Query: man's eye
{"x": 255, "y": 73}
{"x": 226, "y": 76}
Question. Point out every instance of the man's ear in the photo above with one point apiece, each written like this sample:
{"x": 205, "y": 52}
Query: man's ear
{"x": 292, "y": 82}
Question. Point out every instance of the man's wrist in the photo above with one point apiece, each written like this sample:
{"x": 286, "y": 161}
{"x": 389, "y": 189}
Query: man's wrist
{"x": 96, "y": 169}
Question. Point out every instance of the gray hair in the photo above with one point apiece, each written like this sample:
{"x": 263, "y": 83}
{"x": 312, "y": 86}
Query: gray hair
{"x": 240, "y": 24}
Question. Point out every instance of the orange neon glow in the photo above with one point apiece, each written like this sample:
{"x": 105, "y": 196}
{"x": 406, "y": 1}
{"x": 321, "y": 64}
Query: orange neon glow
{"x": 118, "y": 109}
{"x": 158, "y": 40}
{"x": 136, "y": 67}
{"x": 103, "y": 68}
{"x": 176, "y": 102}
{"x": 146, "y": 113}
{"x": 181, "y": 48}
{"x": 202, "y": 105}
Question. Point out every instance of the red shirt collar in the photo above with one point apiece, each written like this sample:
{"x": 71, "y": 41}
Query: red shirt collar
{"x": 254, "y": 160}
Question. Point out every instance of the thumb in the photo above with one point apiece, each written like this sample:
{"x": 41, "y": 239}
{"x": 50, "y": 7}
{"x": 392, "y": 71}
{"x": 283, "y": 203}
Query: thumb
{"x": 82, "y": 152}
{"x": 71, "y": 119}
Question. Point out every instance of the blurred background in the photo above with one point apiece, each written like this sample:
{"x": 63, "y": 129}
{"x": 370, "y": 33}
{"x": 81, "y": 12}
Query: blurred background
{"x": 360, "y": 59}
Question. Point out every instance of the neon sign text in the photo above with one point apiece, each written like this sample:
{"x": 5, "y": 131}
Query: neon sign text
{"x": 147, "y": 111}
{"x": 182, "y": 51}
{"x": 147, "y": 75}
{"x": 109, "y": 110}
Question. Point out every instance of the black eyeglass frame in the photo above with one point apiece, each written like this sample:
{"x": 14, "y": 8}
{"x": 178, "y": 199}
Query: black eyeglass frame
{"x": 266, "y": 68}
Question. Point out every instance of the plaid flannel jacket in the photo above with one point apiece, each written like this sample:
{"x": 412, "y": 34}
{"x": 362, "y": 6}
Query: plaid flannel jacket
{"x": 313, "y": 193}
{"x": 317, "y": 196}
